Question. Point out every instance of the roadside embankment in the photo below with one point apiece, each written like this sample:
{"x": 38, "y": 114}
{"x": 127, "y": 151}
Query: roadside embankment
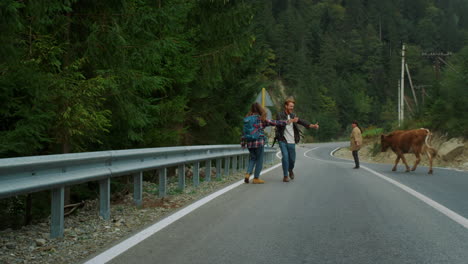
{"x": 452, "y": 153}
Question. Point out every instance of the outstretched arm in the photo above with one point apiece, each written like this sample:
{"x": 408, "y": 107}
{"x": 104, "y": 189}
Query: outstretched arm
{"x": 277, "y": 122}
{"x": 306, "y": 124}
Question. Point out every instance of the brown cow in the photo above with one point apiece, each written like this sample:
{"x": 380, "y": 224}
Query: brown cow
{"x": 409, "y": 141}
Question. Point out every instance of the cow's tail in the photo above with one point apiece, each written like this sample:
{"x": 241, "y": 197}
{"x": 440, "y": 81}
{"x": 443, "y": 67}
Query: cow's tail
{"x": 430, "y": 150}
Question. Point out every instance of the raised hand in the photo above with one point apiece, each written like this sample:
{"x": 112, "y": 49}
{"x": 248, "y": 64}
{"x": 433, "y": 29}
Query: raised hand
{"x": 316, "y": 125}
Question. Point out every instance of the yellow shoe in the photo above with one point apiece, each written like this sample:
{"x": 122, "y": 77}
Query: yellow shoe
{"x": 257, "y": 181}
{"x": 246, "y": 178}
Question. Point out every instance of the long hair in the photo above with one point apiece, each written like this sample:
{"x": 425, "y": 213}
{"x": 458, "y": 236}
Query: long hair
{"x": 257, "y": 109}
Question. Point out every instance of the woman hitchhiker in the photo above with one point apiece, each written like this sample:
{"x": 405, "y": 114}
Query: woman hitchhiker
{"x": 356, "y": 142}
{"x": 253, "y": 137}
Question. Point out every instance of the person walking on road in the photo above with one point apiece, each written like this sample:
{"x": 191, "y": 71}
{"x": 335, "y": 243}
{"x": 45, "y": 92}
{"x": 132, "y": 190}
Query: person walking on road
{"x": 253, "y": 137}
{"x": 356, "y": 142}
{"x": 288, "y": 137}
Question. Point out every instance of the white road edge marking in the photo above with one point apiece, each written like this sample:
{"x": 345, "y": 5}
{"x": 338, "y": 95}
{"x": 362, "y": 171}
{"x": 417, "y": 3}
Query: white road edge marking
{"x": 123, "y": 246}
{"x": 444, "y": 210}
{"x": 333, "y": 151}
{"x": 278, "y": 154}
{"x": 449, "y": 213}
{"x": 328, "y": 161}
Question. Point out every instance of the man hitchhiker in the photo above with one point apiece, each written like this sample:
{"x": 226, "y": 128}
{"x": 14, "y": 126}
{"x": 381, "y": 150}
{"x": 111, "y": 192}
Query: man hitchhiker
{"x": 253, "y": 137}
{"x": 288, "y": 136}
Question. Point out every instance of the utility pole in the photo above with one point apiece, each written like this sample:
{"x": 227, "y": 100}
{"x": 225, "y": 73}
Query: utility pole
{"x": 411, "y": 85}
{"x": 399, "y": 103}
{"x": 437, "y": 58}
{"x": 423, "y": 91}
{"x": 401, "y": 116}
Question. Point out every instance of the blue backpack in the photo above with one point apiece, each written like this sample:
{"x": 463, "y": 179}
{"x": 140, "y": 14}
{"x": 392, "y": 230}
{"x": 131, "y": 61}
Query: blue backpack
{"x": 252, "y": 128}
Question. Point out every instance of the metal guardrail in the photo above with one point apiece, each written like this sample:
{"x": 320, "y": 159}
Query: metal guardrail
{"x": 55, "y": 172}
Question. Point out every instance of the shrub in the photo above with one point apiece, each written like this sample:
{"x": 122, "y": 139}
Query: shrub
{"x": 372, "y": 132}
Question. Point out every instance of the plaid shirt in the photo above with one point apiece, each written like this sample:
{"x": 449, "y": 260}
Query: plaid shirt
{"x": 261, "y": 141}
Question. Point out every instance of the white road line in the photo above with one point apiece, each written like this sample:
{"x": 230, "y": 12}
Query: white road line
{"x": 309, "y": 151}
{"x": 449, "y": 213}
{"x": 333, "y": 151}
{"x": 278, "y": 154}
{"x": 444, "y": 210}
{"x": 327, "y": 161}
{"x": 149, "y": 231}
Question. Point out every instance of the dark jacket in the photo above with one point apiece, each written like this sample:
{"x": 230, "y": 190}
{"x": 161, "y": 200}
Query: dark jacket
{"x": 279, "y": 134}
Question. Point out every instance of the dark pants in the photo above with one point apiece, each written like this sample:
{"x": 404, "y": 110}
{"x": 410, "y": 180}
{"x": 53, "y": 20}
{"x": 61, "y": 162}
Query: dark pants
{"x": 356, "y": 158}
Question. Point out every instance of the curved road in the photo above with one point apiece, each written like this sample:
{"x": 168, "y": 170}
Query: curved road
{"x": 330, "y": 213}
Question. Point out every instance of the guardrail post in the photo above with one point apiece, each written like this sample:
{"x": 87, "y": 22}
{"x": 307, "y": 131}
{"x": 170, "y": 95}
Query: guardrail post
{"x": 56, "y": 208}
{"x": 227, "y": 165}
{"x": 181, "y": 170}
{"x": 208, "y": 170}
{"x": 138, "y": 188}
{"x": 104, "y": 198}
{"x": 234, "y": 164}
{"x": 196, "y": 173}
{"x": 218, "y": 169}
{"x": 162, "y": 182}
{"x": 241, "y": 163}
{"x": 246, "y": 162}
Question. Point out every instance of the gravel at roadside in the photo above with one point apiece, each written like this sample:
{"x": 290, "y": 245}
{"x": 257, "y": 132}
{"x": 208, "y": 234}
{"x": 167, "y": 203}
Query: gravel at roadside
{"x": 86, "y": 233}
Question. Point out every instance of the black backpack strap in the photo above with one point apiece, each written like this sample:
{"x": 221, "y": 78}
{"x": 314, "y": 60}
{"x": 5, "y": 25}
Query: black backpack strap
{"x": 274, "y": 141}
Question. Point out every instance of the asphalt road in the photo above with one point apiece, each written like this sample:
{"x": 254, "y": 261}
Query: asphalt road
{"x": 330, "y": 213}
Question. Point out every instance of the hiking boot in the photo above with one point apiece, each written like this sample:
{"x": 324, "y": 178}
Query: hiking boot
{"x": 246, "y": 178}
{"x": 286, "y": 179}
{"x": 291, "y": 174}
{"x": 257, "y": 181}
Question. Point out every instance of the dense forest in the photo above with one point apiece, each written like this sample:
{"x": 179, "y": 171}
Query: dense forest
{"x": 98, "y": 75}
{"x": 82, "y": 75}
{"x": 342, "y": 60}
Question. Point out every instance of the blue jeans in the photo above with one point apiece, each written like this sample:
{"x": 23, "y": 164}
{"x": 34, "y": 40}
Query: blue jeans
{"x": 288, "y": 151}
{"x": 255, "y": 160}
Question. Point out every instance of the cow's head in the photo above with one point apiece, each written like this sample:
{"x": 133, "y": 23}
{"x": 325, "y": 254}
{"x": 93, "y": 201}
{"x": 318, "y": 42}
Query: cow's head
{"x": 384, "y": 142}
